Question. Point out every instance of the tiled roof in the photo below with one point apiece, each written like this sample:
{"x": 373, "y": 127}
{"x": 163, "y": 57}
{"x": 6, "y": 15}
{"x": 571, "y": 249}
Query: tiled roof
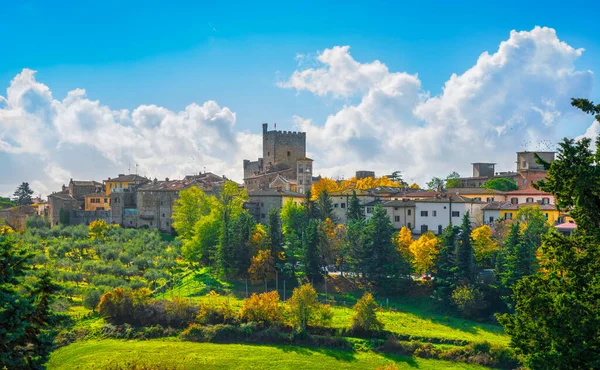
{"x": 62, "y": 195}
{"x": 172, "y": 185}
{"x": 446, "y": 199}
{"x": 516, "y": 207}
{"x": 273, "y": 192}
{"x": 399, "y": 203}
{"x": 473, "y": 191}
{"x": 85, "y": 183}
{"x": 566, "y": 225}
{"x": 128, "y": 178}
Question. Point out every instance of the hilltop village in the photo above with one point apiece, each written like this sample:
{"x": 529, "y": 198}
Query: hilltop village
{"x": 284, "y": 172}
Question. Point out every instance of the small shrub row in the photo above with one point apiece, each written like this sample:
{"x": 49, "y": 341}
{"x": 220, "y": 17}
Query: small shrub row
{"x": 251, "y": 333}
{"x": 483, "y": 354}
{"x": 127, "y": 331}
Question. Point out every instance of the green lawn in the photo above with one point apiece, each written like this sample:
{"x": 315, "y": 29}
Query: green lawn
{"x": 175, "y": 354}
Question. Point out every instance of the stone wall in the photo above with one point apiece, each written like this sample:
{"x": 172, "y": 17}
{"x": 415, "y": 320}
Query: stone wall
{"x": 123, "y": 208}
{"x": 262, "y": 182}
{"x": 81, "y": 217}
{"x": 155, "y": 208}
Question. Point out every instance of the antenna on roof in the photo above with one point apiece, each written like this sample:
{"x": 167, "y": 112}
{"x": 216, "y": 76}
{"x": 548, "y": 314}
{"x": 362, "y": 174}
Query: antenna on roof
{"x": 129, "y": 168}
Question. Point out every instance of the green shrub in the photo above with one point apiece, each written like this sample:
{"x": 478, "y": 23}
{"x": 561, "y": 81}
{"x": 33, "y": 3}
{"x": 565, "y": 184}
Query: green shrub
{"x": 92, "y": 298}
{"x": 469, "y": 300}
{"x": 365, "y": 319}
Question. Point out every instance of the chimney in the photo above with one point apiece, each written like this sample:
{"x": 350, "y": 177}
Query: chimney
{"x": 167, "y": 179}
{"x": 155, "y": 180}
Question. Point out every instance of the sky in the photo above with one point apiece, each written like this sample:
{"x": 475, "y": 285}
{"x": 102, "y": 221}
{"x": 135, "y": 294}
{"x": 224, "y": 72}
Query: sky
{"x": 91, "y": 89}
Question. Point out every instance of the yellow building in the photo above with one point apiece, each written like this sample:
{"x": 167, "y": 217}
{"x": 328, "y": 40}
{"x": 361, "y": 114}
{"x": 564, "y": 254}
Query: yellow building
{"x": 509, "y": 211}
{"x": 97, "y": 202}
{"x": 123, "y": 182}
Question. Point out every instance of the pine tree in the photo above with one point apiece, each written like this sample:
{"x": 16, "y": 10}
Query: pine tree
{"x": 355, "y": 251}
{"x": 310, "y": 245}
{"x": 324, "y": 207}
{"x": 354, "y": 209}
{"x": 26, "y": 322}
{"x": 22, "y": 195}
{"x": 465, "y": 260}
{"x": 274, "y": 231}
{"x": 445, "y": 279}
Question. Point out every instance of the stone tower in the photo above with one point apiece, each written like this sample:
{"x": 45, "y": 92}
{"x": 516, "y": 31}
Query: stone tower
{"x": 281, "y": 149}
{"x": 304, "y": 173}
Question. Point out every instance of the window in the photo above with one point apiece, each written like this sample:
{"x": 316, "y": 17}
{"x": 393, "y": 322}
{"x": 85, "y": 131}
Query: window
{"x": 424, "y": 229}
{"x": 491, "y": 219}
{"x": 489, "y": 199}
{"x": 434, "y": 213}
{"x": 545, "y": 200}
{"x": 268, "y": 154}
{"x": 289, "y": 153}
{"x": 262, "y": 215}
{"x": 343, "y": 205}
{"x": 439, "y": 229}
{"x": 545, "y": 214}
{"x": 424, "y": 213}
{"x": 300, "y": 168}
{"x": 409, "y": 225}
{"x": 477, "y": 199}
{"x": 300, "y": 181}
{"x": 163, "y": 215}
{"x": 529, "y": 200}
{"x": 524, "y": 164}
{"x": 335, "y": 205}
{"x": 396, "y": 218}
{"x": 455, "y": 214}
{"x": 514, "y": 200}
{"x": 105, "y": 200}
{"x": 524, "y": 182}
{"x": 369, "y": 209}
{"x": 409, "y": 212}
{"x": 508, "y": 216}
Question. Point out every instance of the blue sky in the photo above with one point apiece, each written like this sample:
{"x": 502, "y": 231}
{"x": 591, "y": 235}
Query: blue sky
{"x": 128, "y": 53}
{"x": 171, "y": 54}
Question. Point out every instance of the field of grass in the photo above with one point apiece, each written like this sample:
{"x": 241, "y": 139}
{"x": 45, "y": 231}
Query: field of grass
{"x": 175, "y": 354}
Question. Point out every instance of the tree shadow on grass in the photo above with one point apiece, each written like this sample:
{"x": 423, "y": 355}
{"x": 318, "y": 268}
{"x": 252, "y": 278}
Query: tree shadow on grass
{"x": 409, "y": 360}
{"x": 340, "y": 355}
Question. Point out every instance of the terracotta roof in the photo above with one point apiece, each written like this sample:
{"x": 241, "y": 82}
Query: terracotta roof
{"x": 527, "y": 192}
{"x": 172, "y": 185}
{"x": 62, "y": 195}
{"x": 274, "y": 192}
{"x": 128, "y": 178}
{"x": 399, "y": 203}
{"x": 85, "y": 183}
{"x": 566, "y": 225}
{"x": 446, "y": 199}
{"x": 516, "y": 207}
{"x": 473, "y": 191}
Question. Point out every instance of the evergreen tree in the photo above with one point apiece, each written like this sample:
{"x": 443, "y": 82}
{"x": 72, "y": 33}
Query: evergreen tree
{"x": 309, "y": 206}
{"x": 26, "y": 322}
{"x": 354, "y": 210}
{"x": 293, "y": 221}
{"x": 312, "y": 267}
{"x": 324, "y": 207}
{"x": 445, "y": 279}
{"x": 383, "y": 260}
{"x": 355, "y": 251}
{"x": 556, "y": 323}
{"x": 22, "y": 195}
{"x": 465, "y": 260}
{"x": 274, "y": 232}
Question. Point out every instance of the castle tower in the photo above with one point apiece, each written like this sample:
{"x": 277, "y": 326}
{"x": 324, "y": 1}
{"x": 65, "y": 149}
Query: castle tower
{"x": 304, "y": 172}
{"x": 281, "y": 149}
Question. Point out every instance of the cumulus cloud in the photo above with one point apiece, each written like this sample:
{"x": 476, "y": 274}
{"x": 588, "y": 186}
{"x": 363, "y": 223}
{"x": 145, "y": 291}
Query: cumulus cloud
{"x": 510, "y": 100}
{"x": 77, "y": 136}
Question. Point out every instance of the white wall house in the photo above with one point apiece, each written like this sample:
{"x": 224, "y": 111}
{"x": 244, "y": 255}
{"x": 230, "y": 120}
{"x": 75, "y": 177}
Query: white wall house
{"x": 436, "y": 214}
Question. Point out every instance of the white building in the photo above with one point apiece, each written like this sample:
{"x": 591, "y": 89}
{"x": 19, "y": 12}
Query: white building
{"x": 529, "y": 196}
{"x": 437, "y": 213}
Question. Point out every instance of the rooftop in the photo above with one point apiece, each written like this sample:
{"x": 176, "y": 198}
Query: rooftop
{"x": 128, "y": 178}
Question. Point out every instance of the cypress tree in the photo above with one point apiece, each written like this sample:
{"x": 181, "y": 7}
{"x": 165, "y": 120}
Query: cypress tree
{"x": 310, "y": 241}
{"x": 324, "y": 207}
{"x": 465, "y": 261}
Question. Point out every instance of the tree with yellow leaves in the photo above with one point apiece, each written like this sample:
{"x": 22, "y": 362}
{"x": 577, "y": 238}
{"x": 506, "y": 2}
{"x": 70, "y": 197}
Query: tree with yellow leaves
{"x": 324, "y": 184}
{"x": 484, "y": 246}
{"x": 402, "y": 242}
{"x": 415, "y": 186}
{"x": 97, "y": 228}
{"x": 424, "y": 252}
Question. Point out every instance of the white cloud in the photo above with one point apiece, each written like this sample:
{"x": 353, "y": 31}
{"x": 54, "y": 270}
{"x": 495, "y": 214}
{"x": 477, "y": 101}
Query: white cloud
{"x": 161, "y": 142}
{"x": 508, "y": 101}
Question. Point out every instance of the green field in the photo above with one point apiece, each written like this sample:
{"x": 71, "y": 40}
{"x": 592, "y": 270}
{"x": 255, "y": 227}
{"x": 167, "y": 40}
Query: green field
{"x": 175, "y": 354}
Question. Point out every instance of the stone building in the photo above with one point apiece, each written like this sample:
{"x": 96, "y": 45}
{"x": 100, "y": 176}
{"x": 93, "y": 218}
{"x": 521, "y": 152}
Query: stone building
{"x": 122, "y": 182}
{"x": 79, "y": 189}
{"x": 284, "y": 156}
{"x": 261, "y": 202}
{"x": 124, "y": 207}
{"x": 527, "y": 172}
{"x": 61, "y": 204}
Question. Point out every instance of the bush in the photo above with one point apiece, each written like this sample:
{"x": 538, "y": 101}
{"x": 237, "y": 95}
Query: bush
{"x": 262, "y": 309}
{"x": 304, "y": 308}
{"x": 365, "y": 319}
{"x": 469, "y": 300}
{"x": 92, "y": 298}
{"x": 216, "y": 311}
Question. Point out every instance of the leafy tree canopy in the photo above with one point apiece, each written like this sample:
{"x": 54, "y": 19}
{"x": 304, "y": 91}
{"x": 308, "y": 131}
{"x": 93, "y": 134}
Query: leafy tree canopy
{"x": 501, "y": 184}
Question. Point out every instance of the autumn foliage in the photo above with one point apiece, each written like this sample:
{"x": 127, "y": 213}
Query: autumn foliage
{"x": 262, "y": 309}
